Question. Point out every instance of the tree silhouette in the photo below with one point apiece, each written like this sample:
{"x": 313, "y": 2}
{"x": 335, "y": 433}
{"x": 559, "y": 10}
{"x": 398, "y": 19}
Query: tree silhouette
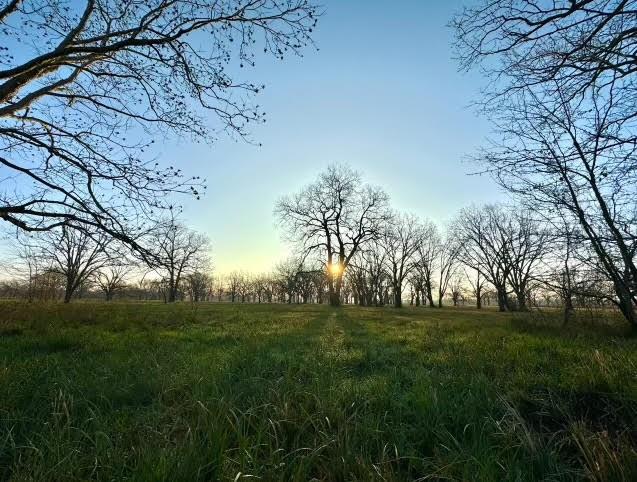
{"x": 84, "y": 88}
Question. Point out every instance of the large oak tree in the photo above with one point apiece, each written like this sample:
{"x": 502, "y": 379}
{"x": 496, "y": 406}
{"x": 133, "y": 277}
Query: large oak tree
{"x": 334, "y": 217}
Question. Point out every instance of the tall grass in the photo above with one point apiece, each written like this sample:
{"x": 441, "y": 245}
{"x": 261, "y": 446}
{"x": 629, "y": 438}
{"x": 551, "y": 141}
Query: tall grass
{"x": 227, "y": 392}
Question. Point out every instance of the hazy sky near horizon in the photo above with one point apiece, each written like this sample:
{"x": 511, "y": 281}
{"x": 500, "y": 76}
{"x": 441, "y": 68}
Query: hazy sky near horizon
{"x": 382, "y": 94}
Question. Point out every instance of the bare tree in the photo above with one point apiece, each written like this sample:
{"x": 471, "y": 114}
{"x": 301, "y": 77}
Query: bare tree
{"x": 367, "y": 274}
{"x": 28, "y": 267}
{"x": 233, "y": 284}
{"x": 112, "y": 279}
{"x": 477, "y": 284}
{"x": 286, "y": 274}
{"x": 427, "y": 258}
{"x": 73, "y": 254}
{"x": 503, "y": 245}
{"x": 333, "y": 217}
{"x": 456, "y": 288}
{"x": 260, "y": 286}
{"x": 401, "y": 239}
{"x": 36, "y": 273}
{"x": 527, "y": 246}
{"x": 566, "y": 118}
{"x": 180, "y": 251}
{"x": 76, "y": 106}
{"x": 575, "y": 44}
{"x": 578, "y": 156}
{"x": 484, "y": 246}
{"x": 307, "y": 282}
{"x": 447, "y": 265}
{"x": 219, "y": 287}
{"x": 198, "y": 286}
{"x": 319, "y": 279}
{"x": 571, "y": 271}
{"x": 244, "y": 288}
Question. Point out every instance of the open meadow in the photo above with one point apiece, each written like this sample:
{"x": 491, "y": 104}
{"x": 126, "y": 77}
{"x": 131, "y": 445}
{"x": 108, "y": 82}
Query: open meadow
{"x": 422, "y": 267}
{"x": 148, "y": 391}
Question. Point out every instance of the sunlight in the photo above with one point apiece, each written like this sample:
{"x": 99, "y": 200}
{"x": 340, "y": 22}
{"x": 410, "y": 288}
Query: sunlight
{"x": 335, "y": 269}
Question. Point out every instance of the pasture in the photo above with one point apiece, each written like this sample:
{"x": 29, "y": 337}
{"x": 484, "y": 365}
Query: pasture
{"x": 132, "y": 391}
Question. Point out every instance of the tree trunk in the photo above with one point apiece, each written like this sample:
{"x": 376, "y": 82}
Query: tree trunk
{"x": 68, "y": 291}
{"x": 430, "y": 297}
{"x": 172, "y": 289}
{"x": 335, "y": 291}
{"x": 398, "y": 297}
{"x": 172, "y": 293}
{"x": 568, "y": 308}
{"x": 335, "y": 300}
{"x": 478, "y": 297}
{"x": 522, "y": 303}
{"x": 520, "y": 295}
{"x": 626, "y": 305}
{"x": 502, "y": 299}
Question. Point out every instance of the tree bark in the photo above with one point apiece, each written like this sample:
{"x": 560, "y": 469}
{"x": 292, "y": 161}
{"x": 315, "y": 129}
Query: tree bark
{"x": 68, "y": 291}
{"x": 503, "y": 305}
{"x": 626, "y": 305}
{"x": 398, "y": 297}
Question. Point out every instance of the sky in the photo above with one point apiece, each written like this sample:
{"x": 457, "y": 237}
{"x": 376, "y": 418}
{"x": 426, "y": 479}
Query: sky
{"x": 382, "y": 94}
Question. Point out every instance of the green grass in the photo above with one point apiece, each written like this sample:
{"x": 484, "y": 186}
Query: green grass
{"x": 235, "y": 392}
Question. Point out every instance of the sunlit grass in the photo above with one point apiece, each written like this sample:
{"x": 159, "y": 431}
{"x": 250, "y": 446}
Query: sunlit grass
{"x": 225, "y": 392}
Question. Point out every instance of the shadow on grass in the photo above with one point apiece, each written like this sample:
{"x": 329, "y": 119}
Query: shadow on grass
{"x": 293, "y": 393}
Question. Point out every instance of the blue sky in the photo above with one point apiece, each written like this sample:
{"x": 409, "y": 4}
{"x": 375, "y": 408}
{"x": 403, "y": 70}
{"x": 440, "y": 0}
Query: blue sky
{"x": 382, "y": 94}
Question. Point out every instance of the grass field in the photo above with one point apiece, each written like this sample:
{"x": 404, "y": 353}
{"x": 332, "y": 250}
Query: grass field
{"x": 256, "y": 392}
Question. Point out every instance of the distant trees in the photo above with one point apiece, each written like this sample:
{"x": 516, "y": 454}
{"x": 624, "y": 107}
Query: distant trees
{"x": 233, "y": 284}
{"x": 112, "y": 279}
{"x": 456, "y": 287}
{"x": 527, "y": 246}
{"x": 477, "y": 285}
{"x": 198, "y": 286}
{"x": 427, "y": 256}
{"x": 333, "y": 217}
{"x": 490, "y": 252}
{"x": 502, "y": 246}
{"x": 75, "y": 255}
{"x": 367, "y": 275}
{"x": 181, "y": 252}
{"x": 484, "y": 243}
{"x": 447, "y": 265}
{"x": 32, "y": 278}
{"x": 401, "y": 239}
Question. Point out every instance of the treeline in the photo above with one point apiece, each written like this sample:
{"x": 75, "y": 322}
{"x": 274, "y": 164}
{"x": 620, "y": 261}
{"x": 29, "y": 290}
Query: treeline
{"x": 170, "y": 262}
{"x": 349, "y": 246}
{"x": 372, "y": 255}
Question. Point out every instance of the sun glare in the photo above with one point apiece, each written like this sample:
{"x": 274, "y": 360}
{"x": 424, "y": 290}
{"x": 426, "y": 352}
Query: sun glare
{"x": 335, "y": 268}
